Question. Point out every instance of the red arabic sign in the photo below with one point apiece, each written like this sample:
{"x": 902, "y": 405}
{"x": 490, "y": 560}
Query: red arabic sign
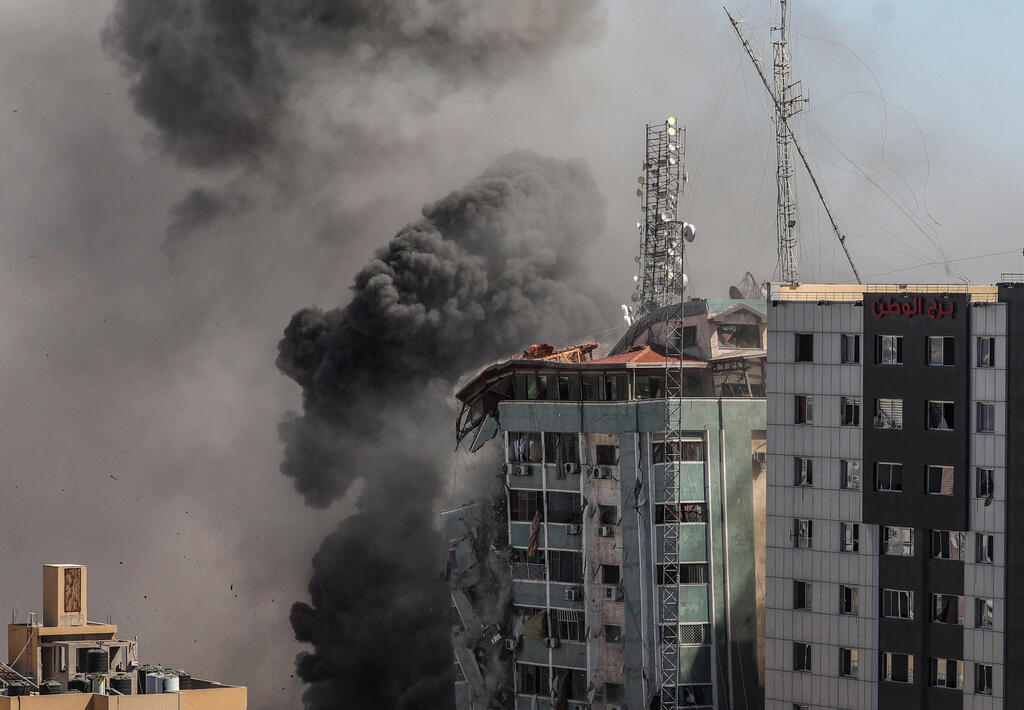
{"x": 935, "y": 308}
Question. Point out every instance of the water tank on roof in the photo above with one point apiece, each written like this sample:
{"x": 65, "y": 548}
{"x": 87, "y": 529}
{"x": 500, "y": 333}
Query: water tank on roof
{"x": 97, "y": 660}
{"x": 122, "y": 684}
{"x": 171, "y": 684}
{"x": 184, "y": 680}
{"x": 17, "y": 688}
{"x": 98, "y": 684}
{"x": 154, "y": 682}
{"x": 79, "y": 683}
{"x": 50, "y": 687}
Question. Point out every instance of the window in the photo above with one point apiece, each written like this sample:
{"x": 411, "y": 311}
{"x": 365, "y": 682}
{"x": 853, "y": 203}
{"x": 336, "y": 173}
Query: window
{"x": 689, "y": 336}
{"x": 608, "y": 514}
{"x": 985, "y": 420}
{"x": 947, "y": 545}
{"x": 614, "y": 692}
{"x": 569, "y": 624}
{"x": 564, "y": 508}
{"x": 940, "y": 350}
{"x": 984, "y": 482}
{"x": 612, "y": 634}
{"x": 848, "y": 603}
{"x": 650, "y": 386}
{"x": 524, "y": 447}
{"x": 804, "y": 409}
{"x": 849, "y": 475}
{"x": 898, "y": 541}
{"x": 982, "y": 679}
{"x": 940, "y": 416}
{"x": 888, "y": 414}
{"x": 848, "y": 662}
{"x": 986, "y": 548}
{"x": 804, "y": 347}
{"x": 897, "y": 604}
{"x": 695, "y": 634}
{"x": 565, "y": 566}
{"x": 690, "y": 573}
{"x": 888, "y": 477}
{"x": 849, "y": 537}
{"x": 739, "y": 336}
{"x": 802, "y": 472}
{"x": 606, "y": 455}
{"x": 946, "y": 673}
{"x": 573, "y": 681}
{"x": 801, "y": 594}
{"x": 536, "y": 386}
{"x": 801, "y": 656}
{"x": 947, "y": 609}
{"x": 531, "y": 679}
{"x": 889, "y": 349}
{"x": 561, "y": 449}
{"x": 849, "y": 348}
{"x": 563, "y": 387}
{"x": 898, "y": 667}
{"x": 802, "y": 533}
{"x": 986, "y": 352}
{"x": 610, "y": 574}
{"x": 523, "y": 505}
{"x": 849, "y": 412}
{"x": 984, "y": 613}
{"x": 940, "y": 480}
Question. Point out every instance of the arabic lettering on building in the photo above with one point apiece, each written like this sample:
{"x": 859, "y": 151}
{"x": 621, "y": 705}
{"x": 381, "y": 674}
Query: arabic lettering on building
{"x": 908, "y": 307}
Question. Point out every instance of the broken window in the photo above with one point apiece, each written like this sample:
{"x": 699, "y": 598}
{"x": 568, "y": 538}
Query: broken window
{"x": 525, "y": 447}
{"x": 898, "y": 667}
{"x": 849, "y": 413}
{"x": 739, "y": 335}
{"x": 614, "y": 692}
{"x": 888, "y": 477}
{"x": 946, "y": 673}
{"x": 984, "y": 482}
{"x": 801, "y": 595}
{"x": 848, "y": 662}
{"x": 606, "y": 455}
{"x": 563, "y": 388}
{"x": 532, "y": 680}
{"x": 947, "y": 544}
{"x": 523, "y": 505}
{"x": 680, "y": 512}
{"x": 848, "y": 600}
{"x": 947, "y": 609}
{"x": 698, "y": 695}
{"x": 849, "y": 348}
{"x": 804, "y": 409}
{"x": 940, "y": 416}
{"x": 941, "y": 349}
{"x": 986, "y": 548}
{"x": 982, "y": 679}
{"x": 564, "y": 507}
{"x": 849, "y": 537}
{"x": 849, "y": 474}
{"x": 536, "y": 386}
{"x": 615, "y": 388}
{"x": 569, "y": 624}
{"x": 525, "y": 567}
{"x": 610, "y": 574}
{"x": 565, "y": 566}
{"x": 804, "y": 347}
{"x": 570, "y": 684}
{"x": 650, "y": 386}
{"x": 687, "y": 573}
{"x": 897, "y": 604}
{"x": 889, "y": 349}
{"x": 984, "y": 613}
{"x": 888, "y": 414}
{"x": 590, "y": 388}
{"x": 561, "y": 449}
{"x": 802, "y": 533}
{"x": 689, "y": 336}
{"x": 940, "y": 480}
{"x": 802, "y": 471}
{"x": 801, "y": 656}
{"x": 986, "y": 356}
{"x": 612, "y": 634}
{"x": 985, "y": 421}
{"x": 897, "y": 541}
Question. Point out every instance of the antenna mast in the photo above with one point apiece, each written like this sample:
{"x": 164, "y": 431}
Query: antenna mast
{"x": 786, "y": 102}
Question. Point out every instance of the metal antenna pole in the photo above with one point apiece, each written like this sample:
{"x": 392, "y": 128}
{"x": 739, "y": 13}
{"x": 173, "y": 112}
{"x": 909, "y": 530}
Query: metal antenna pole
{"x": 783, "y": 117}
{"x": 787, "y": 106}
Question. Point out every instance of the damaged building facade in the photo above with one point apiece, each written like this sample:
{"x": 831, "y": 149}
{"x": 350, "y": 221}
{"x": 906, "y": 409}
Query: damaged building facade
{"x": 604, "y": 576}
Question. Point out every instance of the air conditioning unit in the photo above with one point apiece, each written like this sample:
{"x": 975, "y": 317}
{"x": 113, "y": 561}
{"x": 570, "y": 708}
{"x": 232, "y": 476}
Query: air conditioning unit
{"x": 605, "y": 531}
{"x": 573, "y": 595}
{"x": 601, "y": 472}
{"x": 506, "y": 468}
{"x": 613, "y": 593}
{"x": 571, "y": 467}
{"x": 522, "y": 470}
{"x": 573, "y": 529}
{"x": 511, "y": 644}
{"x": 551, "y": 642}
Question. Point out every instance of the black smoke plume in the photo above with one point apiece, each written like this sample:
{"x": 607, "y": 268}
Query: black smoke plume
{"x": 489, "y": 270}
{"x": 215, "y": 76}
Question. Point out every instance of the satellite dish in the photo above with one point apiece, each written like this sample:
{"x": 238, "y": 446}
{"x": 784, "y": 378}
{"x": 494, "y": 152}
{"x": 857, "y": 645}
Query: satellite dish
{"x": 639, "y": 192}
{"x": 672, "y": 160}
{"x": 671, "y": 120}
{"x": 671, "y": 131}
{"x": 672, "y": 147}
{"x": 689, "y": 232}
{"x": 735, "y": 292}
{"x": 640, "y": 179}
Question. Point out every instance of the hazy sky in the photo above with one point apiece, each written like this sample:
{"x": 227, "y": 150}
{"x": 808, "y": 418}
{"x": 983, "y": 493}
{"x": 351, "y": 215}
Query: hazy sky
{"x": 141, "y": 400}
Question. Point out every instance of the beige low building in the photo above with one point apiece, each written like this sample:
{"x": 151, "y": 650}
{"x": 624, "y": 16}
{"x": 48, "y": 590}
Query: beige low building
{"x": 66, "y": 662}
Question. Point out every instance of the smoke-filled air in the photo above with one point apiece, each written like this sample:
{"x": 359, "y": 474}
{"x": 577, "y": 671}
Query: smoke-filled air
{"x": 487, "y": 268}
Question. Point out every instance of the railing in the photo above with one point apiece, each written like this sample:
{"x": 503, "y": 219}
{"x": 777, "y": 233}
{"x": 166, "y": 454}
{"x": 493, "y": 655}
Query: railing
{"x": 857, "y": 294}
{"x": 1011, "y": 278}
{"x": 530, "y": 571}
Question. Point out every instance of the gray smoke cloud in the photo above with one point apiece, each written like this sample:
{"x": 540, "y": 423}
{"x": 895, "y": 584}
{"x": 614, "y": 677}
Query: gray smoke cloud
{"x": 489, "y": 269}
{"x": 215, "y": 77}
